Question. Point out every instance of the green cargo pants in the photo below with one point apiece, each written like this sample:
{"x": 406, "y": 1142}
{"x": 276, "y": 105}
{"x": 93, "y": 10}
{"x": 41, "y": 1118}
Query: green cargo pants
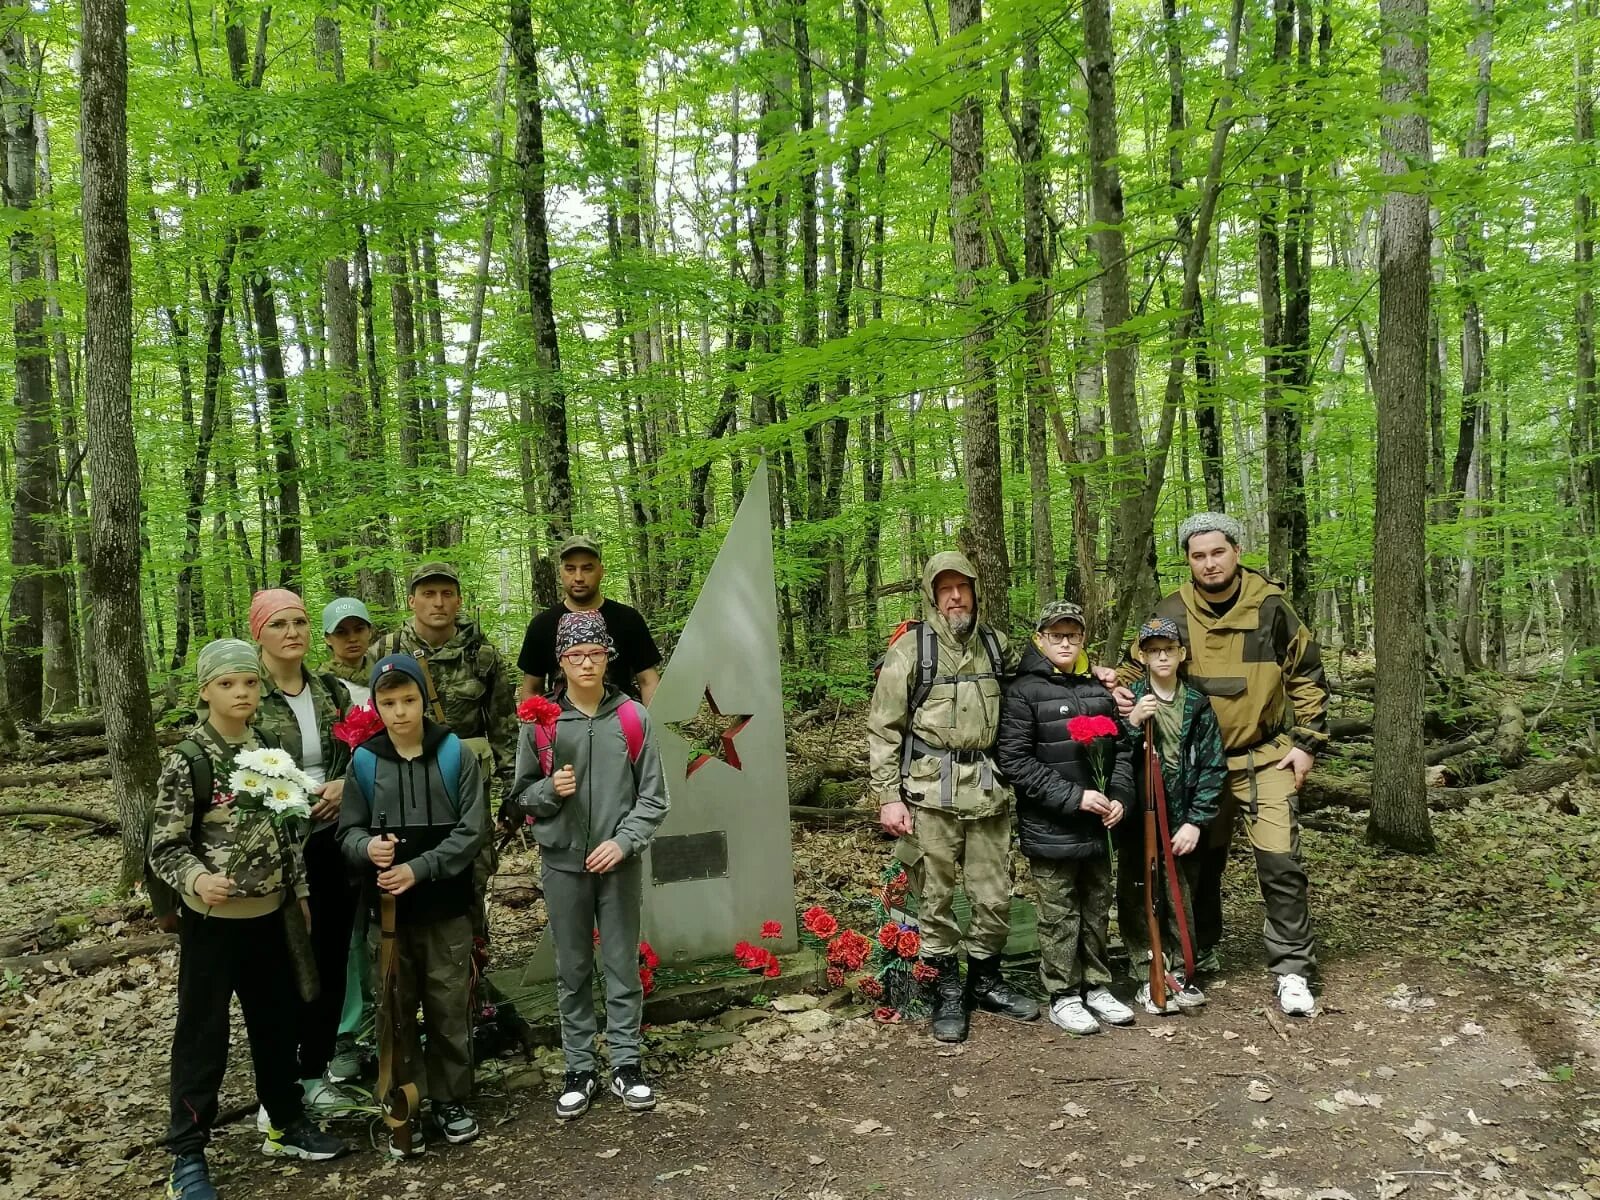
{"x": 1074, "y": 914}
{"x": 939, "y": 845}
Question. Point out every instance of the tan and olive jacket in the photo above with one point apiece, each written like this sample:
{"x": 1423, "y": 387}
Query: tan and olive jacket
{"x": 961, "y": 714}
{"x": 1259, "y": 665}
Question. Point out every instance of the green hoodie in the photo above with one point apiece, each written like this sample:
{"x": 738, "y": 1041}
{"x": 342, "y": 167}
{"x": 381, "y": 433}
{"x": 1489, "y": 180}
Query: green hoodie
{"x": 961, "y": 714}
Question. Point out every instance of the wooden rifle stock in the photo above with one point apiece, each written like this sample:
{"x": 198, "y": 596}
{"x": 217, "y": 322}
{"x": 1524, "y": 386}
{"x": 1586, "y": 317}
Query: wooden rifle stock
{"x": 399, "y": 1103}
{"x": 1152, "y": 868}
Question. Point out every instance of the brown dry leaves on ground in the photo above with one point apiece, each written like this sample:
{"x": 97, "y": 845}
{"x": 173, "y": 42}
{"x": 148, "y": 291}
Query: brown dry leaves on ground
{"x": 1470, "y": 974}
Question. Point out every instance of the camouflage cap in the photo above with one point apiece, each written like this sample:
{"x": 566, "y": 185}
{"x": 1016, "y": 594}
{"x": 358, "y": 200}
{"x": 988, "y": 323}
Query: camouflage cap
{"x": 576, "y": 542}
{"x": 1158, "y": 627}
{"x": 1059, "y": 610}
{"x": 432, "y": 570}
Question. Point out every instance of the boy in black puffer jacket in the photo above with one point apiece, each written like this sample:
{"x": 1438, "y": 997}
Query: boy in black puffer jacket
{"x": 1071, "y": 788}
{"x": 1193, "y": 770}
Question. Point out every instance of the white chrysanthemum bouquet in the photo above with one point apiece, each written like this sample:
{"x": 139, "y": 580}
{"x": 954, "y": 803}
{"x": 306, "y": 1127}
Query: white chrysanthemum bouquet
{"x": 275, "y": 794}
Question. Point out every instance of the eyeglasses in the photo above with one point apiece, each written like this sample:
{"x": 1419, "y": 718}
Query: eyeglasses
{"x": 1162, "y": 652}
{"x": 576, "y": 658}
{"x": 1063, "y": 639}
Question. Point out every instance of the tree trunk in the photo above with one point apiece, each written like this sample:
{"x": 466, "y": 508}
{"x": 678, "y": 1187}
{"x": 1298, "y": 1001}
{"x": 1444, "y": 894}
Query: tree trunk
{"x": 1583, "y": 484}
{"x": 33, "y": 550}
{"x": 985, "y": 528}
{"x": 550, "y": 393}
{"x": 1036, "y": 322}
{"x": 108, "y": 397}
{"x": 1399, "y": 816}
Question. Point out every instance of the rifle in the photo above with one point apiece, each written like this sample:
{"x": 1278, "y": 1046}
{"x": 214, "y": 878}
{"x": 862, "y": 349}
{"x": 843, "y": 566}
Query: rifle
{"x": 1159, "y": 859}
{"x": 399, "y": 1103}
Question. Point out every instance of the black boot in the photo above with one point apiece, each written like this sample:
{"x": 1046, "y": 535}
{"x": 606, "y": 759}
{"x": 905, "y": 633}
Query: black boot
{"x": 990, "y": 991}
{"x": 949, "y": 1000}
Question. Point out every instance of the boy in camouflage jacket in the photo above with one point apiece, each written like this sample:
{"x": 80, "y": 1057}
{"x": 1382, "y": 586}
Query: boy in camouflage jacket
{"x": 231, "y": 931}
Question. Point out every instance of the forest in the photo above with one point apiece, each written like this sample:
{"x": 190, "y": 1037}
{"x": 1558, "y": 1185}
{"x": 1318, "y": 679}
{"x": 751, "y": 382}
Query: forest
{"x": 299, "y": 293}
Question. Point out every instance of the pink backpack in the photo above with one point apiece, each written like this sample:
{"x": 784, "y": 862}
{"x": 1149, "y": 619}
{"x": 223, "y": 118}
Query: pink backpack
{"x": 544, "y": 736}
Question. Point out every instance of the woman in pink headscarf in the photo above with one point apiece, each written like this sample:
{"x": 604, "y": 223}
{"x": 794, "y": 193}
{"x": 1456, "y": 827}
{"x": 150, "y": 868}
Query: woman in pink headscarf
{"x": 300, "y": 709}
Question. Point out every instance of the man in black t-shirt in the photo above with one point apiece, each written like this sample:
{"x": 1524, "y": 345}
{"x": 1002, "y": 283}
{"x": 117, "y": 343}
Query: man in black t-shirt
{"x": 634, "y": 669}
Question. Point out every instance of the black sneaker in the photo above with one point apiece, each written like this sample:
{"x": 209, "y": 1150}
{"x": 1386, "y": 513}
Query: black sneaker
{"x": 189, "y": 1179}
{"x": 577, "y": 1093}
{"x": 629, "y": 1085}
{"x": 303, "y": 1140}
{"x": 455, "y": 1123}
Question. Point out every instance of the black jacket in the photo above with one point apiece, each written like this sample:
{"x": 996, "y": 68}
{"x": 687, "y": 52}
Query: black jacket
{"x": 1050, "y": 770}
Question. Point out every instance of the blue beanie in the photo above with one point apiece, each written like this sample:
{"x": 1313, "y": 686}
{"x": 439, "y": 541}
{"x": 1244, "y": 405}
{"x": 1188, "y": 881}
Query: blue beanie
{"x": 406, "y": 665}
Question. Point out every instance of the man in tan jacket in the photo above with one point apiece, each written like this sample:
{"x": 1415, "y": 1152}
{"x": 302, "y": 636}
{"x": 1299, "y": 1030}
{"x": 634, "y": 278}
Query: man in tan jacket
{"x": 1249, "y": 652}
{"x": 930, "y": 734}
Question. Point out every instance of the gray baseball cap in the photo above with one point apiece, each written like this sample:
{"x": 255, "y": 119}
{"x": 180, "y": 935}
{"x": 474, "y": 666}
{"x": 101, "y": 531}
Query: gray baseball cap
{"x": 576, "y": 542}
{"x": 342, "y": 608}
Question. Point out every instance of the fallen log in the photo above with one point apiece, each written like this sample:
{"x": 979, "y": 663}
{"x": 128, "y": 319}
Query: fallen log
{"x": 71, "y": 812}
{"x": 1348, "y": 727}
{"x": 31, "y": 779}
{"x": 1355, "y": 792}
{"x": 44, "y": 731}
{"x": 91, "y": 958}
{"x": 77, "y": 748}
{"x": 832, "y": 818}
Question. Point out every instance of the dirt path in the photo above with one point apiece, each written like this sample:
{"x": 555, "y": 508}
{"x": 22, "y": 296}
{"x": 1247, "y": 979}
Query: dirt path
{"x": 1416, "y": 1081}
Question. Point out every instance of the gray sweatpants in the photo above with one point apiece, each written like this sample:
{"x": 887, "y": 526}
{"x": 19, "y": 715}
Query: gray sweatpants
{"x": 580, "y": 902}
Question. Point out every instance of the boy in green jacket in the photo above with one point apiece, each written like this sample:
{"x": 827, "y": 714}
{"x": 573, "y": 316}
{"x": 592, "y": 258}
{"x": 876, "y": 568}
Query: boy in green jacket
{"x": 589, "y": 775}
{"x": 1193, "y": 770}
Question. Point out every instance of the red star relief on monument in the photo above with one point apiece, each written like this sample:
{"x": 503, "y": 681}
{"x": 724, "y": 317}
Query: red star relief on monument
{"x": 727, "y": 727}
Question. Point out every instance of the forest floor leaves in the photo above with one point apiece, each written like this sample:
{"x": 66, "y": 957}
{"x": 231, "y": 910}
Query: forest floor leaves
{"x": 1455, "y": 1056}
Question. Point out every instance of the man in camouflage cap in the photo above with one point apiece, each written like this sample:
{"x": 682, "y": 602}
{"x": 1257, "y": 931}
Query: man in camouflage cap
{"x": 930, "y": 736}
{"x": 469, "y": 690}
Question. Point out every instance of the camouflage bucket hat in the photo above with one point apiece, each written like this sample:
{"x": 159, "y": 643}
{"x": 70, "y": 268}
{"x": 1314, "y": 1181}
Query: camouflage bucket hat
{"x": 1059, "y": 610}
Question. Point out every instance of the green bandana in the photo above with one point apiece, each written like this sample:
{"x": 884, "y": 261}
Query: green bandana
{"x": 227, "y": 656}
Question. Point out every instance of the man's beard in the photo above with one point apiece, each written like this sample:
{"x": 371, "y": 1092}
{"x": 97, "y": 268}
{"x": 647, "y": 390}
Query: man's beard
{"x": 1217, "y": 588}
{"x": 959, "y": 623}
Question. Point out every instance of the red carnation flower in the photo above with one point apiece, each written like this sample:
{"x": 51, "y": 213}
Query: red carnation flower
{"x": 648, "y": 956}
{"x": 884, "y": 1015}
{"x": 773, "y": 969}
{"x": 1083, "y": 729}
{"x": 743, "y": 953}
{"x": 647, "y": 979}
{"x": 909, "y": 945}
{"x": 771, "y": 929}
{"x": 1108, "y": 726}
{"x": 596, "y": 937}
{"x": 849, "y": 950}
{"x": 537, "y": 710}
{"x": 835, "y": 977}
{"x": 819, "y": 922}
{"x": 888, "y": 935}
{"x": 922, "y": 972}
{"x": 872, "y": 989}
{"x": 358, "y": 724}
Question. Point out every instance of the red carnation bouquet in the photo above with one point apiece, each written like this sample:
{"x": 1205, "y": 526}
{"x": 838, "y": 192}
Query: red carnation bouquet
{"x": 1097, "y": 735}
{"x": 358, "y": 724}
{"x": 537, "y": 710}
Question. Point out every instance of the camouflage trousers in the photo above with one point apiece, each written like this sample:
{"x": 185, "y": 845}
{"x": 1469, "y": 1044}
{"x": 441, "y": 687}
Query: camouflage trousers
{"x": 1132, "y": 921}
{"x": 1074, "y": 914}
{"x": 940, "y": 845}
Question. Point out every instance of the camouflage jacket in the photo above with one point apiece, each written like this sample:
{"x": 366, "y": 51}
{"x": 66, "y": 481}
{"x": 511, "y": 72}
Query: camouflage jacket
{"x": 961, "y": 715}
{"x": 472, "y": 683}
{"x": 330, "y": 701}
{"x": 360, "y": 674}
{"x": 271, "y": 866}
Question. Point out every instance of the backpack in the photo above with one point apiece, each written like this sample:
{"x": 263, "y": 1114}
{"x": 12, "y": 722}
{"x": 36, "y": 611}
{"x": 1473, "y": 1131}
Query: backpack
{"x": 928, "y": 658}
{"x": 544, "y": 736}
{"x": 364, "y": 764}
{"x": 165, "y": 902}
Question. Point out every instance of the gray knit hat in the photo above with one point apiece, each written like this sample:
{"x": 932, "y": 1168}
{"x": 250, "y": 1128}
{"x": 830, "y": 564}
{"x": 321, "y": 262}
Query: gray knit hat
{"x": 1210, "y": 522}
{"x": 1059, "y": 610}
{"x": 227, "y": 656}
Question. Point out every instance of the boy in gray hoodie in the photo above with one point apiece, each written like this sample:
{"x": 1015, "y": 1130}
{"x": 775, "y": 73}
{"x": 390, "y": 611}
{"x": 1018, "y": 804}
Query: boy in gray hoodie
{"x": 589, "y": 776}
{"x": 412, "y": 822}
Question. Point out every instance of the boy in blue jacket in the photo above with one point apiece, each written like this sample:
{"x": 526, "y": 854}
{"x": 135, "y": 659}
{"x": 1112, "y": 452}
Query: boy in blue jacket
{"x": 591, "y": 780}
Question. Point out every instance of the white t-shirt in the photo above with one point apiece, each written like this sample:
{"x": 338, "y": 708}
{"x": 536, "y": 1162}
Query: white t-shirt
{"x": 305, "y": 711}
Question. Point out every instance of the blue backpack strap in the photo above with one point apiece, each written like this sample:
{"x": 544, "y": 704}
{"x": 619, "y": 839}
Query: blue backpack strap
{"x": 450, "y": 766}
{"x": 364, "y": 764}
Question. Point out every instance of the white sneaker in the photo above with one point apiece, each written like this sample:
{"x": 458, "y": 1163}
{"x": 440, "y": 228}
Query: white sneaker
{"x": 1142, "y": 999}
{"x": 1107, "y": 1007}
{"x": 1069, "y": 1013}
{"x": 1189, "y": 997}
{"x": 1294, "y": 996}
{"x": 325, "y": 1100}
